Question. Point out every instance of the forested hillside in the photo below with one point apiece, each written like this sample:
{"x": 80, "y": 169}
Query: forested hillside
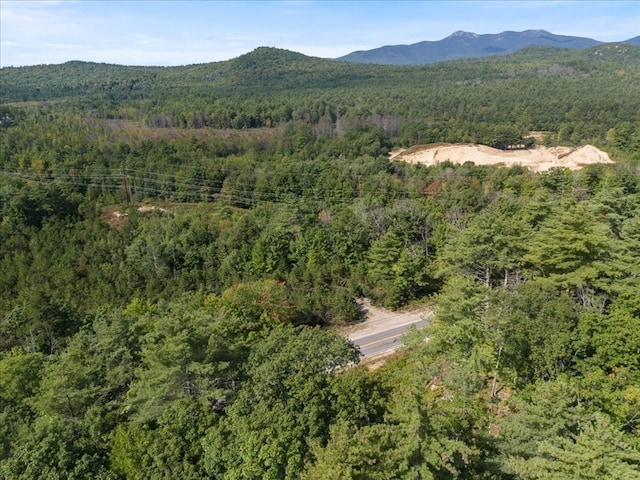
{"x": 178, "y": 244}
{"x": 462, "y": 44}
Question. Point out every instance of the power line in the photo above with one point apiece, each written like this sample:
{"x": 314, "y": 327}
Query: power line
{"x": 166, "y": 184}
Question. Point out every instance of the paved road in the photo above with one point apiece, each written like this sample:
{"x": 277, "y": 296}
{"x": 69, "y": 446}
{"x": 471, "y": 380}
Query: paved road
{"x": 385, "y": 341}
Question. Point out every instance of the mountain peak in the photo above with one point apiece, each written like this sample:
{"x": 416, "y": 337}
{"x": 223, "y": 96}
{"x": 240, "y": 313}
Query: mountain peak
{"x": 538, "y": 33}
{"x": 461, "y": 44}
{"x": 463, "y": 34}
{"x": 262, "y": 56}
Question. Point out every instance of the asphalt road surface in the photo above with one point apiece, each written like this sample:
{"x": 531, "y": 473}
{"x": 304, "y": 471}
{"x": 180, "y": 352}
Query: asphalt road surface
{"x": 385, "y": 341}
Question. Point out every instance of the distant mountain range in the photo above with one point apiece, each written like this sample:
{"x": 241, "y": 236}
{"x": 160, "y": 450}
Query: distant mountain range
{"x": 461, "y": 45}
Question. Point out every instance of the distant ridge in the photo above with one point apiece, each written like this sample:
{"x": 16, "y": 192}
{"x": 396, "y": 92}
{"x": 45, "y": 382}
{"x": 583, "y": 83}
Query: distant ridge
{"x": 461, "y": 45}
{"x": 633, "y": 41}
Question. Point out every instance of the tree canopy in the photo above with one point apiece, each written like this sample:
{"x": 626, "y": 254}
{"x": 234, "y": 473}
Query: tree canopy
{"x": 178, "y": 246}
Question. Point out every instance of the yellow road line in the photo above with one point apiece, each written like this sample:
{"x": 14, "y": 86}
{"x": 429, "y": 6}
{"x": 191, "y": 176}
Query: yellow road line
{"x": 382, "y": 340}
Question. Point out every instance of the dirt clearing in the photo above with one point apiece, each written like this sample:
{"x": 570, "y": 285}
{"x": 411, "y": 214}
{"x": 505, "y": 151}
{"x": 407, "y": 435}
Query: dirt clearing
{"x": 536, "y": 159}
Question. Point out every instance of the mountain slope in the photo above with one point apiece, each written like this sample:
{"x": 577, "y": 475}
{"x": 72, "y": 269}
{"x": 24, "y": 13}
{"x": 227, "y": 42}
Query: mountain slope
{"x": 466, "y": 45}
{"x": 272, "y": 72}
{"x": 633, "y": 41}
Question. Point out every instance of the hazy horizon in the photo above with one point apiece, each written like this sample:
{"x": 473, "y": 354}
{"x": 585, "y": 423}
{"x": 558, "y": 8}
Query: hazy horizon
{"x": 167, "y": 33}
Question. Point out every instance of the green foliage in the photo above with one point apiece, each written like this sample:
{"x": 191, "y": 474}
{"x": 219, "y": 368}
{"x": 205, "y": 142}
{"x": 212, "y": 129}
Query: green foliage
{"x": 284, "y": 404}
{"x": 491, "y": 246}
{"x": 40, "y": 323}
{"x": 169, "y": 449}
{"x": 31, "y": 207}
{"x": 572, "y": 251}
{"x": 377, "y": 452}
{"x": 597, "y": 451}
{"x": 51, "y": 448}
{"x": 169, "y": 236}
{"x": 547, "y": 410}
{"x": 255, "y": 306}
{"x": 611, "y": 341}
{"x": 176, "y": 363}
{"x": 552, "y": 436}
{"x": 20, "y": 375}
{"x": 540, "y": 332}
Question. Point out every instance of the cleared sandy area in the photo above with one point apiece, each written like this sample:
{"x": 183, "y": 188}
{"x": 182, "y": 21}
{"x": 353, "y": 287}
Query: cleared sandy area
{"x": 536, "y": 159}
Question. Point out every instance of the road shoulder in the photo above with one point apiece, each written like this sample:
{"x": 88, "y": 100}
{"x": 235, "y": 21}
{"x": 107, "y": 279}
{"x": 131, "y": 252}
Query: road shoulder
{"x": 380, "y": 319}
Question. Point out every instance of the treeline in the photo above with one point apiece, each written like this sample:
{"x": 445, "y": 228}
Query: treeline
{"x": 168, "y": 295}
{"x": 578, "y": 95}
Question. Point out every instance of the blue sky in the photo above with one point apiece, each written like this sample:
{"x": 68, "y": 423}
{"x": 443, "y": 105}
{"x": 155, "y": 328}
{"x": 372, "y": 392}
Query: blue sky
{"x": 149, "y": 32}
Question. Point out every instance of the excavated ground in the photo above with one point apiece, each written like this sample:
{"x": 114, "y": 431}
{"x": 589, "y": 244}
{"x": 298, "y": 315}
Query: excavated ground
{"x": 536, "y": 159}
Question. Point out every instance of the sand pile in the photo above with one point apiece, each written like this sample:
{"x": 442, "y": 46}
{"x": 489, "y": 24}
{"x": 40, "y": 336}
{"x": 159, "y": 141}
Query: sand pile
{"x": 537, "y": 159}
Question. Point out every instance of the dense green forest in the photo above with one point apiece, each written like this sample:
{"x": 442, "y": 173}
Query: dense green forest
{"x": 177, "y": 246}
